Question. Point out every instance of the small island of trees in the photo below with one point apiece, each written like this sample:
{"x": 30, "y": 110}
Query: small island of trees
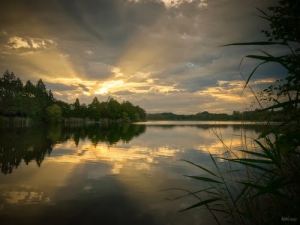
{"x": 23, "y": 104}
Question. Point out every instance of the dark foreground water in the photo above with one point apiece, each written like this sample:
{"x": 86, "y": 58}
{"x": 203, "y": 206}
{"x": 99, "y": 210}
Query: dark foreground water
{"x": 96, "y": 175}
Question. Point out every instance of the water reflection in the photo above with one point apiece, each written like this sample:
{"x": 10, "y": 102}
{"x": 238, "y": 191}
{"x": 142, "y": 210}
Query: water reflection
{"x": 96, "y": 134}
{"x": 23, "y": 144}
{"x": 107, "y": 175}
{"x": 34, "y": 143}
{"x": 235, "y": 127}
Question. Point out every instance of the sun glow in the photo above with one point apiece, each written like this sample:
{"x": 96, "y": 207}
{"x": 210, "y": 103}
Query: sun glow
{"x": 106, "y": 86}
{"x": 101, "y": 91}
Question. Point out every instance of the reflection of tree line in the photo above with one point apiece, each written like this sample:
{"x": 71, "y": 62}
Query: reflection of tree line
{"x": 235, "y": 127}
{"x": 110, "y": 134}
{"x": 23, "y": 144}
{"x": 34, "y": 143}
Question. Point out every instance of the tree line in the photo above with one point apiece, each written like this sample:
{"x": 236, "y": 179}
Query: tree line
{"x": 256, "y": 115}
{"x": 34, "y": 101}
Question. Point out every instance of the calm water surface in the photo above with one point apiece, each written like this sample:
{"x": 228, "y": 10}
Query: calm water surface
{"x": 96, "y": 175}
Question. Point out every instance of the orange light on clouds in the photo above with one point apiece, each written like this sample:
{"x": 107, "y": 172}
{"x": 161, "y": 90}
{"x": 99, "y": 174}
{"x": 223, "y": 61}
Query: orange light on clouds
{"x": 101, "y": 91}
{"x": 110, "y": 86}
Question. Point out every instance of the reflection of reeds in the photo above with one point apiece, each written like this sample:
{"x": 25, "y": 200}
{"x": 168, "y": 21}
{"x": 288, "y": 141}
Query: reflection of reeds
{"x": 80, "y": 121}
{"x": 73, "y": 120}
{"x": 15, "y": 121}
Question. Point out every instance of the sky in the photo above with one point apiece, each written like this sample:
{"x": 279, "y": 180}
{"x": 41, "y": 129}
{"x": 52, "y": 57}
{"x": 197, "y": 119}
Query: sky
{"x": 162, "y": 55}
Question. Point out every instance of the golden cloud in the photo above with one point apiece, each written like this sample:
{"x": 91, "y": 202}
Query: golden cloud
{"x": 115, "y": 155}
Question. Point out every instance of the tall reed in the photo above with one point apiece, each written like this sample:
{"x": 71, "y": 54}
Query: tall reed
{"x": 258, "y": 188}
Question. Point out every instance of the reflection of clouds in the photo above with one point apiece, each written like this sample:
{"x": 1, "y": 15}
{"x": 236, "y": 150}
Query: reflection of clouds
{"x": 24, "y": 196}
{"x": 143, "y": 153}
{"x": 164, "y": 151}
{"x": 228, "y": 146}
{"x": 139, "y": 168}
{"x": 138, "y": 156}
{"x": 116, "y": 168}
{"x": 32, "y": 185}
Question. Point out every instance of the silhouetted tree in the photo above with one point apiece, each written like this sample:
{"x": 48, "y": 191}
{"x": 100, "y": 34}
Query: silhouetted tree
{"x": 36, "y": 102}
{"x": 53, "y": 114}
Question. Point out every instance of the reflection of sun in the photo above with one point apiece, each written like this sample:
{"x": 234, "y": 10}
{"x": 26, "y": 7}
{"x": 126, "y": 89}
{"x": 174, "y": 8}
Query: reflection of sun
{"x": 101, "y": 91}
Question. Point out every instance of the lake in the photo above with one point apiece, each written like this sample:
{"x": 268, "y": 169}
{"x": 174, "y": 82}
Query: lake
{"x": 111, "y": 175}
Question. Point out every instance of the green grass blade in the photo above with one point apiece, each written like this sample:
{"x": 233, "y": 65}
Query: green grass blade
{"x": 206, "y": 179}
{"x": 264, "y": 161}
{"x": 205, "y": 202}
{"x": 255, "y": 153}
{"x": 250, "y": 165}
{"x": 253, "y": 71}
{"x": 255, "y": 43}
{"x": 260, "y": 57}
{"x": 282, "y": 104}
{"x": 201, "y": 167}
{"x": 231, "y": 171}
{"x": 270, "y": 59}
{"x": 268, "y": 153}
{"x": 189, "y": 192}
{"x": 242, "y": 193}
{"x": 266, "y": 15}
{"x": 219, "y": 210}
{"x": 271, "y": 188}
{"x": 213, "y": 193}
{"x": 212, "y": 158}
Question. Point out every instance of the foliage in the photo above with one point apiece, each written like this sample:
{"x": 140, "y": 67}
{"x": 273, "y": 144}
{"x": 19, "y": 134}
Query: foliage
{"x": 18, "y": 100}
{"x": 284, "y": 22}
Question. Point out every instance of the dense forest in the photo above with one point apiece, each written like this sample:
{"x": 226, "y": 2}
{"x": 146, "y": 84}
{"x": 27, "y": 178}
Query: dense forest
{"x": 21, "y": 103}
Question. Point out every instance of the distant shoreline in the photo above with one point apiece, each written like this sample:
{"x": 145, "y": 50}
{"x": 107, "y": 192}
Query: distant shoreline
{"x": 206, "y": 122}
{"x": 255, "y": 116}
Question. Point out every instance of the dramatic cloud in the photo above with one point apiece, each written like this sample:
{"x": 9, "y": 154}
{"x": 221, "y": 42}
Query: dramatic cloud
{"x": 162, "y": 54}
{"x": 29, "y": 43}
